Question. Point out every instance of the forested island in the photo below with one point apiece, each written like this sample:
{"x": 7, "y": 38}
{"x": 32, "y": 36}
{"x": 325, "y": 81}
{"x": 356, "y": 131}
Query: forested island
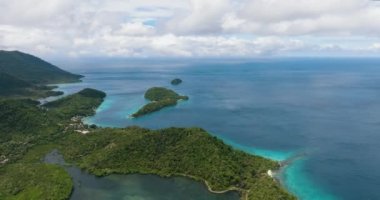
{"x": 176, "y": 81}
{"x": 29, "y": 130}
{"x": 160, "y": 98}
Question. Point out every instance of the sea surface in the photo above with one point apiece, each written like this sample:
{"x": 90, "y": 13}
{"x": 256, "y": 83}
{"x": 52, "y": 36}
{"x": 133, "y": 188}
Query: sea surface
{"x": 321, "y": 115}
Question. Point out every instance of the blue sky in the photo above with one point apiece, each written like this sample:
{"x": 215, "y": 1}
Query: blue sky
{"x": 191, "y": 28}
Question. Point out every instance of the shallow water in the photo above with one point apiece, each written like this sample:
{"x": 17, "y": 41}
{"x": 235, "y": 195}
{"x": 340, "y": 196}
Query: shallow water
{"x": 134, "y": 187}
{"x": 325, "y": 109}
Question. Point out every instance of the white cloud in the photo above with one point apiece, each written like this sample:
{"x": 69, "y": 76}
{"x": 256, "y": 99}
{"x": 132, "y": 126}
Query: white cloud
{"x": 202, "y": 17}
{"x": 189, "y": 27}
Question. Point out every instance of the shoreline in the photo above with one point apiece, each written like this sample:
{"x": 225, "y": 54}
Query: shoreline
{"x": 242, "y": 192}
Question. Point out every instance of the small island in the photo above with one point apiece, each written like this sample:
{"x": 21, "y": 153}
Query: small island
{"x": 176, "y": 81}
{"x": 160, "y": 98}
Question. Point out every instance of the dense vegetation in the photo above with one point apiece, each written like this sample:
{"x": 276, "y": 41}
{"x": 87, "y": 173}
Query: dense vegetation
{"x": 160, "y": 93}
{"x": 24, "y": 124}
{"x": 32, "y": 69}
{"x": 25, "y": 130}
{"x": 30, "y": 179}
{"x": 33, "y": 131}
{"x": 23, "y": 75}
{"x": 8, "y": 82}
{"x": 187, "y": 152}
{"x": 28, "y": 131}
{"x": 82, "y": 103}
{"x": 161, "y": 98}
{"x": 176, "y": 81}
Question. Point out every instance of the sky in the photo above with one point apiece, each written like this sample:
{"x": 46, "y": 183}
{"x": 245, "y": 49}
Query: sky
{"x": 191, "y": 28}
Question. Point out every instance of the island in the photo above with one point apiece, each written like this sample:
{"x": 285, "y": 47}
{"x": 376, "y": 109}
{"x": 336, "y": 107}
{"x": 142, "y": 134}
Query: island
{"x": 160, "y": 98}
{"x": 176, "y": 81}
{"x": 29, "y": 131}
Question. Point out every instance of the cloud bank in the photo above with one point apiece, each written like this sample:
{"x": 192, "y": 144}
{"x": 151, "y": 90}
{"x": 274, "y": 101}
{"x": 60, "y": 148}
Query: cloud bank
{"x": 191, "y": 28}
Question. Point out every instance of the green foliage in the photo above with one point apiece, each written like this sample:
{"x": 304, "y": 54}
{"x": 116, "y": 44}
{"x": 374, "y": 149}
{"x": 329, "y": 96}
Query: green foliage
{"x": 176, "y": 81}
{"x": 82, "y": 104}
{"x": 34, "y": 182}
{"x": 8, "y": 82}
{"x": 92, "y": 93}
{"x": 33, "y": 131}
{"x": 161, "y": 98}
{"x": 30, "y": 179}
{"x": 32, "y": 69}
{"x": 160, "y": 93}
{"x": 23, "y": 125}
{"x": 54, "y": 93}
{"x": 154, "y": 106}
{"x": 13, "y": 112}
{"x": 23, "y": 75}
{"x": 187, "y": 152}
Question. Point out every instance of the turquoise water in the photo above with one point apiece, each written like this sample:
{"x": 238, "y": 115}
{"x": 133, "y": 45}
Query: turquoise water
{"x": 297, "y": 181}
{"x": 321, "y": 114}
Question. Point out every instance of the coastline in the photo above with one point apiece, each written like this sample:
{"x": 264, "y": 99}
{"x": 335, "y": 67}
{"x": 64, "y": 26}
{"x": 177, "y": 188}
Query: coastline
{"x": 244, "y": 194}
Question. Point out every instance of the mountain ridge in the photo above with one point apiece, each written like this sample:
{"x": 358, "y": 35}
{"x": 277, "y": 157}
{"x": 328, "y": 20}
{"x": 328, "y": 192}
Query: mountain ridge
{"x": 25, "y": 75}
{"x": 33, "y": 69}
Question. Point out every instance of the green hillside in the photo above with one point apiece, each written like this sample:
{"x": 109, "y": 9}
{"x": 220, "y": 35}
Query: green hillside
{"x": 32, "y": 131}
{"x": 160, "y": 98}
{"x": 32, "y": 69}
{"x": 10, "y": 84}
{"x": 23, "y": 75}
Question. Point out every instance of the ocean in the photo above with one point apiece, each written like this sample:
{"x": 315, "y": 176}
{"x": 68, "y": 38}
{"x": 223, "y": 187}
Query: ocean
{"x": 321, "y": 114}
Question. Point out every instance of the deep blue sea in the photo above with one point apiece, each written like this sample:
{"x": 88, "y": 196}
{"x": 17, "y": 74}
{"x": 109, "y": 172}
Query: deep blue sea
{"x": 325, "y": 113}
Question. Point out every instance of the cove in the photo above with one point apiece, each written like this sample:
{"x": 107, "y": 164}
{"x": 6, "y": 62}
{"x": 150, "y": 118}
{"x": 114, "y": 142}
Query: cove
{"x": 134, "y": 186}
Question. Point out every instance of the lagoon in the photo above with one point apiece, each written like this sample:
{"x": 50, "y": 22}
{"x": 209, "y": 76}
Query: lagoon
{"x": 134, "y": 186}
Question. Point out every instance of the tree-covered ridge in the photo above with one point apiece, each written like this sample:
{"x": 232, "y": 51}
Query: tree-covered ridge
{"x": 190, "y": 152}
{"x": 24, "y": 123}
{"x": 161, "y": 93}
{"x": 161, "y": 98}
{"x": 12, "y": 87}
{"x": 32, "y": 69}
{"x": 8, "y": 82}
{"x": 23, "y": 75}
{"x": 31, "y": 179}
{"x": 25, "y": 130}
{"x": 82, "y": 103}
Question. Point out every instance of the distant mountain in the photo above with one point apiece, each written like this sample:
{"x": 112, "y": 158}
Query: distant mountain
{"x": 24, "y": 75}
{"x": 32, "y": 69}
